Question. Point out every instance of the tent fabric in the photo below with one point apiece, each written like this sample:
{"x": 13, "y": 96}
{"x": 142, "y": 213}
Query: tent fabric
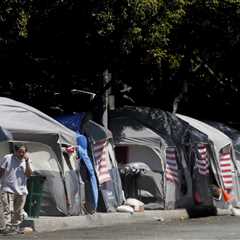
{"x": 45, "y": 163}
{"x": 199, "y": 182}
{"x": 150, "y": 185}
{"x": 219, "y": 142}
{"x": 22, "y": 123}
{"x": 4, "y": 135}
{"x": 231, "y": 133}
{"x": 111, "y": 190}
{"x": 176, "y": 132}
{"x": 18, "y": 117}
{"x": 220, "y": 139}
{"x": 83, "y": 153}
{"x": 72, "y": 180}
{"x": 235, "y": 137}
{"x": 117, "y": 198}
{"x": 73, "y": 121}
{"x": 127, "y": 130}
{"x": 169, "y": 127}
{"x": 217, "y": 138}
{"x": 147, "y": 140}
{"x": 151, "y": 156}
{"x": 95, "y": 131}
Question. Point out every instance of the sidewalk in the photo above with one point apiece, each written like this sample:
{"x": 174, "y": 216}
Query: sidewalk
{"x": 49, "y": 224}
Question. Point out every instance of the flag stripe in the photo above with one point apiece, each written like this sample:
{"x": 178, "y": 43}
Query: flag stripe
{"x": 172, "y": 179}
{"x": 225, "y": 164}
{"x": 100, "y": 154}
{"x": 202, "y": 167}
{"x": 171, "y": 165}
{"x": 202, "y": 161}
{"x": 202, "y": 150}
{"x": 206, "y": 172}
{"x": 226, "y": 154}
{"x": 226, "y": 168}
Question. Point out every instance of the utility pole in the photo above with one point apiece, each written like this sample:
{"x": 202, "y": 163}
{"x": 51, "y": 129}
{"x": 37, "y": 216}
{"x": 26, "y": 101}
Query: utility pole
{"x": 106, "y": 79}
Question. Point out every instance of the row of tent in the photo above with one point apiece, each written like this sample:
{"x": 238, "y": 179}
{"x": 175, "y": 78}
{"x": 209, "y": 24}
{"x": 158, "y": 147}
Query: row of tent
{"x": 179, "y": 161}
{"x": 69, "y": 161}
{"x": 187, "y": 160}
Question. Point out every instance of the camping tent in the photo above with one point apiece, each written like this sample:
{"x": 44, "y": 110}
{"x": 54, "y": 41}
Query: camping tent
{"x": 162, "y": 182}
{"x": 196, "y": 147}
{"x": 223, "y": 164}
{"x": 233, "y": 134}
{"x": 110, "y": 185}
{"x": 44, "y": 137}
{"x": 103, "y": 156}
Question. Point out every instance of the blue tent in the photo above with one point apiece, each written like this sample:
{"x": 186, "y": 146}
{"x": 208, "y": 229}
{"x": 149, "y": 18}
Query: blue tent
{"x": 73, "y": 121}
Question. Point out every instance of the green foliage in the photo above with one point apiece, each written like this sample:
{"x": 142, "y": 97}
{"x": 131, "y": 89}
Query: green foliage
{"x": 22, "y": 22}
{"x": 153, "y": 45}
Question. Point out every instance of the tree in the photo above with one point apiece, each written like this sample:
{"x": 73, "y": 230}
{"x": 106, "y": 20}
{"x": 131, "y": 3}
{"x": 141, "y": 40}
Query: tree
{"x": 209, "y": 41}
{"x": 154, "y": 46}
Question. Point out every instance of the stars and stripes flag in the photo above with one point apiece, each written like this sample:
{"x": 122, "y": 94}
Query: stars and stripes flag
{"x": 101, "y": 155}
{"x": 202, "y": 161}
{"x": 226, "y": 168}
{"x": 171, "y": 165}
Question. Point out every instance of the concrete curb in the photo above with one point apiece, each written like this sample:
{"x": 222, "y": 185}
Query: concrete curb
{"x": 49, "y": 224}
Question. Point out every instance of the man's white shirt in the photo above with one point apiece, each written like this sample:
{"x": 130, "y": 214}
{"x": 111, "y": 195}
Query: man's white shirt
{"x": 14, "y": 179}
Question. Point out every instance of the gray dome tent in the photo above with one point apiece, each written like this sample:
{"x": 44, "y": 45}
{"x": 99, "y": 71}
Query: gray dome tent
{"x": 44, "y": 137}
{"x": 223, "y": 162}
{"x": 233, "y": 134}
{"x": 163, "y": 183}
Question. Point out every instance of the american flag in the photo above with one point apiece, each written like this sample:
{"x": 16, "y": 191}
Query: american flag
{"x": 202, "y": 161}
{"x": 226, "y": 168}
{"x": 101, "y": 155}
{"x": 171, "y": 165}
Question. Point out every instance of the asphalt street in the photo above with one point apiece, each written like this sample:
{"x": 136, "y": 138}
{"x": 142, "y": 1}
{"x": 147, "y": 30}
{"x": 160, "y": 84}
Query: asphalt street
{"x": 225, "y": 227}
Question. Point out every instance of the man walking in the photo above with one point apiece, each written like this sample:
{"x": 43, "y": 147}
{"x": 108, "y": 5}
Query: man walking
{"x": 14, "y": 171}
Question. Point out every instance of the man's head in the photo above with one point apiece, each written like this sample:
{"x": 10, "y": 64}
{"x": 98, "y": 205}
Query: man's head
{"x": 20, "y": 150}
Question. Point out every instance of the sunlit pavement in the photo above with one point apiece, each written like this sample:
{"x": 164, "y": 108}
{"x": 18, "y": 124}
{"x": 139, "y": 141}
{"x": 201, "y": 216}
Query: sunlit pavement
{"x": 225, "y": 227}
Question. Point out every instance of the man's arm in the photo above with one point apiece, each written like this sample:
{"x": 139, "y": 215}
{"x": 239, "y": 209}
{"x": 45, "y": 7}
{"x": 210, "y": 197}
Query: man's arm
{"x": 28, "y": 170}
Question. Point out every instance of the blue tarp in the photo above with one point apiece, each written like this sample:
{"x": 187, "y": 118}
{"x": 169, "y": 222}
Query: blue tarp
{"x": 82, "y": 151}
{"x": 74, "y": 123}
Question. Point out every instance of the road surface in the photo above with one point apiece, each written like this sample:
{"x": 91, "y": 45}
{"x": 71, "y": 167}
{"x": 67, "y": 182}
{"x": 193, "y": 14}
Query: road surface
{"x": 225, "y": 227}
